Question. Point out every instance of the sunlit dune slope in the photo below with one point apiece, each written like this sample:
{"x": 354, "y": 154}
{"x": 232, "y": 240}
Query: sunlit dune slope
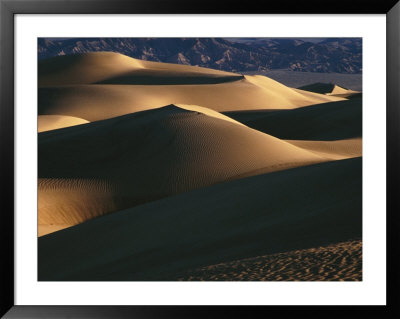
{"x": 45, "y": 229}
{"x": 331, "y": 90}
{"x": 225, "y": 222}
{"x": 98, "y": 102}
{"x": 97, "y": 86}
{"x": 337, "y": 90}
{"x": 90, "y": 170}
{"x": 54, "y": 122}
{"x": 116, "y": 68}
{"x": 328, "y": 121}
{"x": 341, "y": 149}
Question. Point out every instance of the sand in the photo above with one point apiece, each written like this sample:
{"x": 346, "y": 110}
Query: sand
{"x": 338, "y": 90}
{"x": 91, "y": 102}
{"x": 155, "y": 171}
{"x": 90, "y": 170}
{"x": 341, "y": 149}
{"x": 225, "y": 222}
{"x": 322, "y": 122}
{"x": 115, "y": 68}
{"x": 48, "y": 229}
{"x": 85, "y": 86}
{"x": 54, "y": 122}
{"x": 336, "y": 262}
{"x": 330, "y": 89}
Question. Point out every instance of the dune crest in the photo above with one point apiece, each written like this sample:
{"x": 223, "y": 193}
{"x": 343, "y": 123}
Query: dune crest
{"x": 54, "y": 122}
{"x": 330, "y": 89}
{"x": 116, "y": 68}
{"x": 206, "y": 111}
{"x": 226, "y": 222}
{"x": 86, "y": 85}
{"x": 155, "y": 171}
{"x": 327, "y": 121}
{"x": 340, "y": 149}
{"x": 117, "y": 162}
{"x": 340, "y": 90}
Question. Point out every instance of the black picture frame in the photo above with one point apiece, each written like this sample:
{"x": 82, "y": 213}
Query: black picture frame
{"x": 9, "y": 8}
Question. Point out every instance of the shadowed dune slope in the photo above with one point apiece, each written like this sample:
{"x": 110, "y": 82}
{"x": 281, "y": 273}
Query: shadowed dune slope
{"x": 54, "y": 122}
{"x": 51, "y": 228}
{"x": 337, "y": 262}
{"x": 226, "y": 222}
{"x": 326, "y": 88}
{"x": 93, "y": 169}
{"x": 98, "y": 86}
{"x": 318, "y": 87}
{"x": 328, "y": 121}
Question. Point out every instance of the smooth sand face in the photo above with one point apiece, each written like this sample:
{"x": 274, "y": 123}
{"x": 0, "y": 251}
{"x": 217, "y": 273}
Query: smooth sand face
{"x": 54, "y": 122}
{"x": 71, "y": 192}
{"x": 229, "y": 221}
{"x": 208, "y": 112}
{"x": 111, "y": 67}
{"x": 45, "y": 229}
{"x": 106, "y": 166}
{"x": 339, "y": 90}
{"x": 330, "y": 89}
{"x": 139, "y": 167}
{"x": 68, "y": 87}
{"x": 322, "y": 122}
{"x": 91, "y": 102}
{"x": 341, "y": 149}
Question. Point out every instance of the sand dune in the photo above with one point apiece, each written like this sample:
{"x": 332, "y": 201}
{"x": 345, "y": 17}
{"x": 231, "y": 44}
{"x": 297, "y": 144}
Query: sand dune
{"x": 338, "y": 90}
{"x": 326, "y": 88}
{"x": 341, "y": 149}
{"x": 64, "y": 202}
{"x": 225, "y": 222}
{"x": 45, "y": 229}
{"x": 142, "y": 177}
{"x": 318, "y": 87}
{"x": 89, "y": 170}
{"x": 208, "y": 112}
{"x": 86, "y": 86}
{"x": 92, "y": 102}
{"x": 337, "y": 262}
{"x": 115, "y": 68}
{"x": 328, "y": 121}
{"x": 54, "y": 122}
{"x": 331, "y": 90}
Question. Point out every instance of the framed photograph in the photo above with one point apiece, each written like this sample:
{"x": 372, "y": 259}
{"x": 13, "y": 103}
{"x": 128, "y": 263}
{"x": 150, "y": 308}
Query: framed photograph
{"x": 162, "y": 159}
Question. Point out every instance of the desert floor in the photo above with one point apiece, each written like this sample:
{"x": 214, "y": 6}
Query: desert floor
{"x": 156, "y": 171}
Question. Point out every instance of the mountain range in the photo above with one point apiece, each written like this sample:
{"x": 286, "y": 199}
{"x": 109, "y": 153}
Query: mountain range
{"x": 339, "y": 55}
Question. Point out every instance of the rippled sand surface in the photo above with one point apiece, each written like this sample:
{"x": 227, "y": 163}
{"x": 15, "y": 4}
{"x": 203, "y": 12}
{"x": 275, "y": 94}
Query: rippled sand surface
{"x": 337, "y": 262}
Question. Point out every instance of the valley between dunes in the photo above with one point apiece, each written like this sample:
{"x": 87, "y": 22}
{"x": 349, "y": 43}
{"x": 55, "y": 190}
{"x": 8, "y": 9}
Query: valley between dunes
{"x": 156, "y": 171}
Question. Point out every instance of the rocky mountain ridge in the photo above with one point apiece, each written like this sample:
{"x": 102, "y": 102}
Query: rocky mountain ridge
{"x": 339, "y": 55}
